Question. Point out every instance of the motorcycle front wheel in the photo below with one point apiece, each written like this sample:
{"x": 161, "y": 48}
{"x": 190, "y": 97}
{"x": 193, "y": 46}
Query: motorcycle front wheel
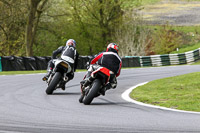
{"x": 92, "y": 92}
{"x": 53, "y": 83}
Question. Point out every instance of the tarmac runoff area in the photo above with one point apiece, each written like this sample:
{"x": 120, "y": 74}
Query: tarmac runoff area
{"x": 173, "y": 12}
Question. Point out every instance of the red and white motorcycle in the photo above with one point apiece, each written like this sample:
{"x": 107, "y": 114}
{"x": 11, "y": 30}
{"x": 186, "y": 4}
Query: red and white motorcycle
{"x": 101, "y": 76}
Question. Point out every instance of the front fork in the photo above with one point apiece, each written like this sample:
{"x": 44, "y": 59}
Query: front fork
{"x": 51, "y": 76}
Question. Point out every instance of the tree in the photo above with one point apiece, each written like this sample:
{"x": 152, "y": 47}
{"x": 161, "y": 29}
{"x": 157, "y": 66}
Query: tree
{"x": 132, "y": 36}
{"x": 166, "y": 40}
{"x": 54, "y": 29}
{"x": 35, "y": 11}
{"x": 29, "y": 27}
{"x": 12, "y": 25}
{"x": 96, "y": 20}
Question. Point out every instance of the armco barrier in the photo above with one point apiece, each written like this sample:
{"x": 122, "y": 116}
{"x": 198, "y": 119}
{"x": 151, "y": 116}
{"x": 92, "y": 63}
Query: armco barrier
{"x": 0, "y": 65}
{"x": 30, "y": 63}
{"x": 13, "y": 63}
{"x": 41, "y": 63}
{"x": 196, "y": 55}
{"x": 145, "y": 61}
{"x": 9, "y": 63}
{"x": 165, "y": 60}
{"x": 170, "y": 59}
{"x": 82, "y": 61}
{"x": 131, "y": 61}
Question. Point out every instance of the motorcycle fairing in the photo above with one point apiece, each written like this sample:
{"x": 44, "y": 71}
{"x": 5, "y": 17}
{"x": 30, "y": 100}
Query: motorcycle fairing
{"x": 63, "y": 63}
{"x": 103, "y": 70}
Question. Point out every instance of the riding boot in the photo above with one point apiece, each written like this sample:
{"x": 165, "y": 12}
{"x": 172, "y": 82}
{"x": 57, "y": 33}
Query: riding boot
{"x": 113, "y": 82}
{"x": 45, "y": 78}
{"x": 63, "y": 87}
{"x": 103, "y": 90}
{"x": 87, "y": 79}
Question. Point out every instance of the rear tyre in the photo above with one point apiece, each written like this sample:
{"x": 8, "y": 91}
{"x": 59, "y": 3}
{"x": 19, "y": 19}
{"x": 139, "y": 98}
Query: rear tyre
{"x": 92, "y": 92}
{"x": 53, "y": 83}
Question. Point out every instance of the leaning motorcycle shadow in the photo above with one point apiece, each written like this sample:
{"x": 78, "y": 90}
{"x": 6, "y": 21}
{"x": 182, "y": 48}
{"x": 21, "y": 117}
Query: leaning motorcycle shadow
{"x": 104, "y": 101}
{"x": 124, "y": 104}
{"x": 66, "y": 93}
{"x": 67, "y": 90}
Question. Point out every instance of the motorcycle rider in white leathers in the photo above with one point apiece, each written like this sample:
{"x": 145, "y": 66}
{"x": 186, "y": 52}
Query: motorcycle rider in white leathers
{"x": 70, "y": 54}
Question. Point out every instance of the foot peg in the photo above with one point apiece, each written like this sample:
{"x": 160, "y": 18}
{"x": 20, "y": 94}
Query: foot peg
{"x": 44, "y": 78}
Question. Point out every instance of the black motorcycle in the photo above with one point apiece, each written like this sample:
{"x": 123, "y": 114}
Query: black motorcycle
{"x": 58, "y": 77}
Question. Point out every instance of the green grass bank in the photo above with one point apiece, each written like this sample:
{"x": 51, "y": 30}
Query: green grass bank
{"x": 179, "y": 92}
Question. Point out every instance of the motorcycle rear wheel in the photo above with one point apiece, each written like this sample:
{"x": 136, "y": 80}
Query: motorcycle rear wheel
{"x": 92, "y": 92}
{"x": 53, "y": 83}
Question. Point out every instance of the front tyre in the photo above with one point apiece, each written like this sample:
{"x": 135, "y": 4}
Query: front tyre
{"x": 92, "y": 92}
{"x": 53, "y": 83}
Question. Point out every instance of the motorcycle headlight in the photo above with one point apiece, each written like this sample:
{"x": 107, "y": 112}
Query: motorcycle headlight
{"x": 64, "y": 64}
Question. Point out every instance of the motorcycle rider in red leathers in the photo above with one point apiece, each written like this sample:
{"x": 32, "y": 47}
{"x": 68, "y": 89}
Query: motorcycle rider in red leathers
{"x": 110, "y": 60}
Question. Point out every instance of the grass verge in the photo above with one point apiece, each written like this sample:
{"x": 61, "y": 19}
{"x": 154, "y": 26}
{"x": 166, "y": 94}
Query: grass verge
{"x": 187, "y": 48}
{"x": 196, "y": 63}
{"x": 21, "y": 72}
{"x": 30, "y": 72}
{"x": 179, "y": 92}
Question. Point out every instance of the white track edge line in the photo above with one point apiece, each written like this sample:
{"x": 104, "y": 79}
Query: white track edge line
{"x": 125, "y": 96}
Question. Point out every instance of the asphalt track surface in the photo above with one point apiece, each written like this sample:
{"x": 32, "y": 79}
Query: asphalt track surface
{"x": 24, "y": 106}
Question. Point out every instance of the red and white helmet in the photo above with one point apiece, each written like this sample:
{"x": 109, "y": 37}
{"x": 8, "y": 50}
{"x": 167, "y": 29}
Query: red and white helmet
{"x": 112, "y": 46}
{"x": 71, "y": 42}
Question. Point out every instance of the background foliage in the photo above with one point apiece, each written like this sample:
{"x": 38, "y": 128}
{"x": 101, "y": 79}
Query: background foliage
{"x": 37, "y": 27}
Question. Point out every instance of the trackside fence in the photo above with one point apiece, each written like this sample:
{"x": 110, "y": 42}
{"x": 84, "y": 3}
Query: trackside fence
{"x": 170, "y": 59}
{"x": 14, "y": 63}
